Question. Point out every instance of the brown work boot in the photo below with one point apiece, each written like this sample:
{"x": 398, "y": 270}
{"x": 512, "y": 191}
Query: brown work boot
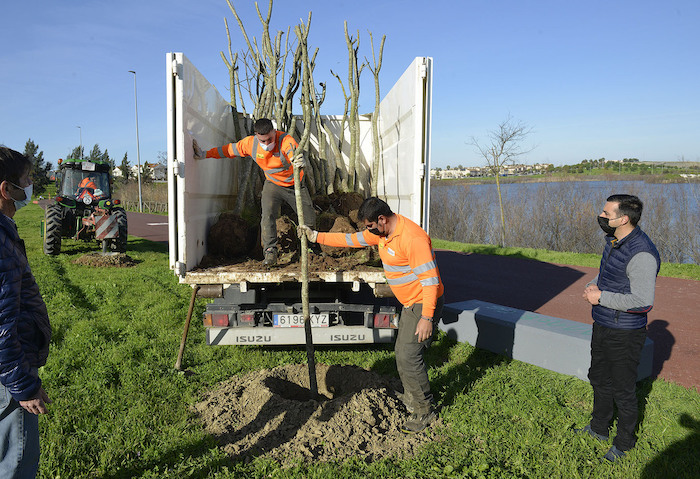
{"x": 270, "y": 256}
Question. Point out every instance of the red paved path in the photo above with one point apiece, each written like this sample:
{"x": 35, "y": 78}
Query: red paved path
{"x": 554, "y": 290}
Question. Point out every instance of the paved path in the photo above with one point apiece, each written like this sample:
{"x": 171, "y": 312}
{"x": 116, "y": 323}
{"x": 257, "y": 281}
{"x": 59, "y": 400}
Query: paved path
{"x": 555, "y": 290}
{"x": 551, "y": 289}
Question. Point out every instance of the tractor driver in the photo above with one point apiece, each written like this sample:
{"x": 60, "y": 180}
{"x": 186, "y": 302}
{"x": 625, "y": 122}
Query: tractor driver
{"x": 88, "y": 186}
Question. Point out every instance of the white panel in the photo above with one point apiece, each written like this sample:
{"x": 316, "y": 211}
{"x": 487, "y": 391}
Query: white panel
{"x": 204, "y": 188}
{"x": 403, "y": 120}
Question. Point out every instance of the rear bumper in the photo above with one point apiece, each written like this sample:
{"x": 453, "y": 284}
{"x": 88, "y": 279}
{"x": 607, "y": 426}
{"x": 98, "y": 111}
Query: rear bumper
{"x": 296, "y": 336}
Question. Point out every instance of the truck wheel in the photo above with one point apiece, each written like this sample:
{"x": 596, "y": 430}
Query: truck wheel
{"x": 52, "y": 237}
{"x": 119, "y": 243}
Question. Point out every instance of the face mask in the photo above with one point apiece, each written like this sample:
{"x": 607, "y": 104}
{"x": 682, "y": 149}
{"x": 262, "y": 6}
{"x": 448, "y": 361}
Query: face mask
{"x": 268, "y": 147}
{"x": 28, "y": 196}
{"x": 605, "y": 225}
{"x": 374, "y": 231}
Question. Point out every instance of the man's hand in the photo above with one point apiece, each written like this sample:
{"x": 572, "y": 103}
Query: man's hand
{"x": 592, "y": 294}
{"x": 424, "y": 329}
{"x": 199, "y": 154}
{"x": 37, "y": 405}
{"x": 311, "y": 235}
{"x": 298, "y": 160}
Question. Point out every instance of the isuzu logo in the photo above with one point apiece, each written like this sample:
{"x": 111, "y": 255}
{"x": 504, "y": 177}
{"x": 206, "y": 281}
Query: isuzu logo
{"x": 254, "y": 339}
{"x": 347, "y": 337}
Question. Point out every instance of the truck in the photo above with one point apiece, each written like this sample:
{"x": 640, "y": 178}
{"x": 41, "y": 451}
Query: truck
{"x": 262, "y": 306}
{"x": 84, "y": 209}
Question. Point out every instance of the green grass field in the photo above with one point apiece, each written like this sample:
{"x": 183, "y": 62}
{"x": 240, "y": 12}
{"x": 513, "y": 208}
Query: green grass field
{"x": 120, "y": 410}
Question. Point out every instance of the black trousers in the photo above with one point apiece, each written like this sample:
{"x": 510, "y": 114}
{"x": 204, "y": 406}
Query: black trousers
{"x": 615, "y": 355}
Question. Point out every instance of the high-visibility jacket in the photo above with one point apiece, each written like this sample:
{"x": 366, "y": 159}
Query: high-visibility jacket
{"x": 87, "y": 183}
{"x": 408, "y": 259}
{"x": 277, "y": 164}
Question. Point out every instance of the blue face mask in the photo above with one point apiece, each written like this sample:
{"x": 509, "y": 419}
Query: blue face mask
{"x": 28, "y": 196}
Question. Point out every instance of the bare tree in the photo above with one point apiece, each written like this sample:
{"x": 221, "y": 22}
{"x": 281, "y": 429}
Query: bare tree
{"x": 503, "y": 147}
{"x": 377, "y": 61}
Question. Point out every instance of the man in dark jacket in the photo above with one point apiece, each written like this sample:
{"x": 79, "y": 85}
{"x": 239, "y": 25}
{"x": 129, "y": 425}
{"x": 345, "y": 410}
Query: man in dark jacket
{"x": 621, "y": 295}
{"x": 25, "y": 331}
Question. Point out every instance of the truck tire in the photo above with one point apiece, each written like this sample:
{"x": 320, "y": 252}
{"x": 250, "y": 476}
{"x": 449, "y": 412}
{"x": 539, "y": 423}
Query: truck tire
{"x": 52, "y": 237}
{"x": 119, "y": 243}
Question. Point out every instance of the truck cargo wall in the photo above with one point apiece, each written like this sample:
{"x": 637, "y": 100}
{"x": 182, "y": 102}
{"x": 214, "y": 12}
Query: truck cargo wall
{"x": 199, "y": 190}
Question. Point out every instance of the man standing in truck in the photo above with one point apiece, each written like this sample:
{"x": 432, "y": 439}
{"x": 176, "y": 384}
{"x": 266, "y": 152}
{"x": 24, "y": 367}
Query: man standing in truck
{"x": 621, "y": 295}
{"x": 276, "y": 154}
{"x": 409, "y": 264}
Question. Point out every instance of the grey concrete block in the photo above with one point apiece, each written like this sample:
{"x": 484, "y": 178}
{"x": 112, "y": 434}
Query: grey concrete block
{"x": 556, "y": 344}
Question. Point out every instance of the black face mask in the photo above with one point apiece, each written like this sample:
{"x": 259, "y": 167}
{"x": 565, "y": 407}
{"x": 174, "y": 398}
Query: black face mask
{"x": 374, "y": 231}
{"x": 605, "y": 225}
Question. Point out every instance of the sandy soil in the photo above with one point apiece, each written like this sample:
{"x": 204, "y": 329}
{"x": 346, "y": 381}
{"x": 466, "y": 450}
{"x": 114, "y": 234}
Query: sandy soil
{"x": 97, "y": 259}
{"x": 271, "y": 412}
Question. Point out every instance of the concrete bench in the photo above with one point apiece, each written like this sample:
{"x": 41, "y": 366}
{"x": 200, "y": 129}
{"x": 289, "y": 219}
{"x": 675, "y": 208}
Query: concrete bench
{"x": 556, "y": 344}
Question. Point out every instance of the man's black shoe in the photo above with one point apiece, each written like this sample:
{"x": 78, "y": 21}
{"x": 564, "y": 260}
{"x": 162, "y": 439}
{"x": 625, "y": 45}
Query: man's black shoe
{"x": 587, "y": 429}
{"x": 614, "y": 454}
{"x": 417, "y": 422}
{"x": 270, "y": 257}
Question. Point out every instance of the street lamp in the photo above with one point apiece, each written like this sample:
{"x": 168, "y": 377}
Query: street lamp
{"x": 138, "y": 151}
{"x": 81, "y": 141}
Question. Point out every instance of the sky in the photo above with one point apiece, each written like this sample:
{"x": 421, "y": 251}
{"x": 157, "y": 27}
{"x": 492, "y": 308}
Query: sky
{"x": 594, "y": 79}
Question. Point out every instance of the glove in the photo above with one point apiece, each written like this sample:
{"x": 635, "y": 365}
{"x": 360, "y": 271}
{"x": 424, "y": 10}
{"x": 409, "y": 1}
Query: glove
{"x": 311, "y": 235}
{"x": 199, "y": 154}
{"x": 299, "y": 161}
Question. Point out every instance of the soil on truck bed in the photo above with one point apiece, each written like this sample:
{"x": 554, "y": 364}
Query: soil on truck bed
{"x": 271, "y": 413}
{"x": 234, "y": 245}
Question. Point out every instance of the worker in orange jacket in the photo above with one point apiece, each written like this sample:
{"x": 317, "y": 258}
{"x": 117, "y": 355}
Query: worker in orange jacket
{"x": 87, "y": 182}
{"x": 409, "y": 263}
{"x": 276, "y": 154}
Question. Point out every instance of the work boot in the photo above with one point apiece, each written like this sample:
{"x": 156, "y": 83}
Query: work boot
{"x": 270, "y": 256}
{"x": 587, "y": 430}
{"x": 614, "y": 454}
{"x": 417, "y": 422}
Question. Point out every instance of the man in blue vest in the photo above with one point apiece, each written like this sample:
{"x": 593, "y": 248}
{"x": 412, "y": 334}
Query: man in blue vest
{"x": 621, "y": 295}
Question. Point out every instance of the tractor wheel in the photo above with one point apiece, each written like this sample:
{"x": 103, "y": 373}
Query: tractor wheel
{"x": 52, "y": 237}
{"x": 119, "y": 243}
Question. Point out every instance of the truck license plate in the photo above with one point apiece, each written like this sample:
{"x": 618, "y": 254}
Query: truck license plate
{"x": 297, "y": 320}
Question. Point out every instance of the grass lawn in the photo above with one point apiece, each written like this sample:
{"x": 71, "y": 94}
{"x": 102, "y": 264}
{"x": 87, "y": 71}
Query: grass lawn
{"x": 120, "y": 411}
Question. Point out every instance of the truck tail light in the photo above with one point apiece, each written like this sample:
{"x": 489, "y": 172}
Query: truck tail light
{"x": 384, "y": 320}
{"x": 246, "y": 319}
{"x": 219, "y": 320}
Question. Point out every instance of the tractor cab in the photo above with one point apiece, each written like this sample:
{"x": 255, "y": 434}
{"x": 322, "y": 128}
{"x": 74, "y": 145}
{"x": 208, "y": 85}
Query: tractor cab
{"x": 86, "y": 187}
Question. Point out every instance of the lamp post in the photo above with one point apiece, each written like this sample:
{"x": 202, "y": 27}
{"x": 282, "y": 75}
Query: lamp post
{"x": 138, "y": 151}
{"x": 80, "y": 130}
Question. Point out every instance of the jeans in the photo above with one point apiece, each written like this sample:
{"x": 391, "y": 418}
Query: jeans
{"x": 272, "y": 197}
{"x": 409, "y": 358}
{"x": 615, "y": 355}
{"x": 19, "y": 439}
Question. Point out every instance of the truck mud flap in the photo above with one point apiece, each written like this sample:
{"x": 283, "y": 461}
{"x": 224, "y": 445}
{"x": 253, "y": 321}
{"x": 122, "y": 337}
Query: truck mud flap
{"x": 295, "y": 336}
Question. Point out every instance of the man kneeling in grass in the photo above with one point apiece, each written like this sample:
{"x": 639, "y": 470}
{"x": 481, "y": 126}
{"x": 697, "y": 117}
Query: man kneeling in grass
{"x": 409, "y": 263}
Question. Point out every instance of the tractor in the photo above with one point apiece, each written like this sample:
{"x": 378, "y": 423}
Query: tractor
{"x": 84, "y": 209}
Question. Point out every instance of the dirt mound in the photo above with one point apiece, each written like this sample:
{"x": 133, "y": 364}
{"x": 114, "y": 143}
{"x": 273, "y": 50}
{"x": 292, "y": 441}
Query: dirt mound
{"x": 270, "y": 412}
{"x": 97, "y": 259}
{"x": 229, "y": 236}
{"x": 340, "y": 225}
